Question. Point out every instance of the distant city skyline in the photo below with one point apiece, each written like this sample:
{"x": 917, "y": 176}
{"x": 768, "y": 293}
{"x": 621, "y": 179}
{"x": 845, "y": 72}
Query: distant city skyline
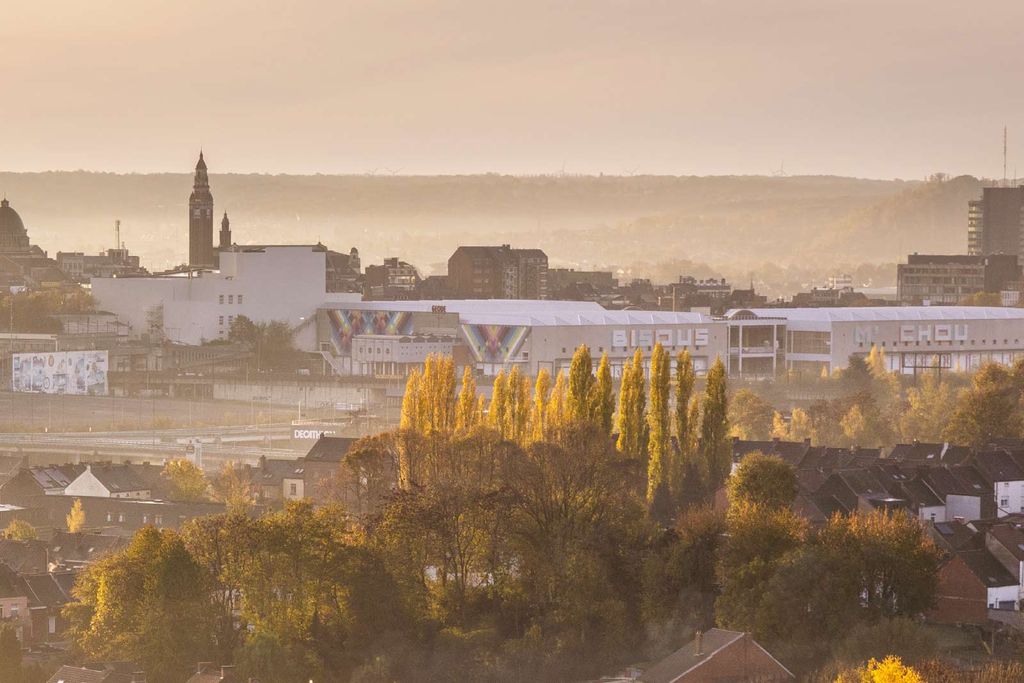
{"x": 869, "y": 89}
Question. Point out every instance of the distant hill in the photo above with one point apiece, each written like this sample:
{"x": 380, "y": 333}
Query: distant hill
{"x": 643, "y": 225}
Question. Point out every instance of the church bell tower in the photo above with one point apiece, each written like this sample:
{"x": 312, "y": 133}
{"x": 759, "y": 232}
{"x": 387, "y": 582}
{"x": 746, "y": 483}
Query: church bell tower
{"x": 200, "y": 220}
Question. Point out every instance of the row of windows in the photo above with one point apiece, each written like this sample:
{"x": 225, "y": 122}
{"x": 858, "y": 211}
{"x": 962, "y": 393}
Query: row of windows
{"x": 220, "y": 320}
{"x": 157, "y": 520}
{"x": 231, "y": 298}
{"x": 940, "y": 343}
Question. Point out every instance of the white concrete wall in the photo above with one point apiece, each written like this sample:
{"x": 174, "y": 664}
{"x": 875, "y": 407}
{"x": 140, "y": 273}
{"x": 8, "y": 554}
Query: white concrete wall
{"x": 1009, "y": 497}
{"x": 965, "y": 507}
{"x": 286, "y": 283}
{"x": 86, "y": 484}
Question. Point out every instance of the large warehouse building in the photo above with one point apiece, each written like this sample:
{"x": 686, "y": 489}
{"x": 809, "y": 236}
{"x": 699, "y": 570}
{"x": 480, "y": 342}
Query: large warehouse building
{"x": 390, "y": 338}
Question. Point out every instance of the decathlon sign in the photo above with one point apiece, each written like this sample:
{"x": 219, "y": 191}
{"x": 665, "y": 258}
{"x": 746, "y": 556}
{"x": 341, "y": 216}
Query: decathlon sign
{"x": 310, "y": 434}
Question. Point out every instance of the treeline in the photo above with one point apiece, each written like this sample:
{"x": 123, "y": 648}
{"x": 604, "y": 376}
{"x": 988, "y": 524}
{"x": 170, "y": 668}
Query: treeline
{"x": 878, "y": 407}
{"x": 512, "y": 540}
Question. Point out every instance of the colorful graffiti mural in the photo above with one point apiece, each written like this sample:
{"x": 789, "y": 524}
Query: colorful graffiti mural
{"x": 346, "y": 324}
{"x": 495, "y": 343}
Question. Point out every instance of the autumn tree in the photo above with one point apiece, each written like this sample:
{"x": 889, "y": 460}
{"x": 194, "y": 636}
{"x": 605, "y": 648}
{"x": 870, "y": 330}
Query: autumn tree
{"x": 465, "y": 413}
{"x": 750, "y": 416}
{"x": 234, "y": 486}
{"x": 658, "y": 425}
{"x": 988, "y": 409}
{"x": 555, "y": 415}
{"x": 633, "y": 408}
{"x": 798, "y": 428}
{"x": 497, "y": 414}
{"x": 538, "y": 414}
{"x": 581, "y": 381}
{"x": 186, "y": 480}
{"x": 929, "y": 410}
{"x": 603, "y": 396}
{"x": 20, "y": 530}
{"x": 76, "y": 517}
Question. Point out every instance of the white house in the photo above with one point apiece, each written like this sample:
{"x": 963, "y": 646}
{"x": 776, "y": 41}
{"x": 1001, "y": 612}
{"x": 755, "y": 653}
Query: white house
{"x": 263, "y": 283}
{"x": 108, "y": 481}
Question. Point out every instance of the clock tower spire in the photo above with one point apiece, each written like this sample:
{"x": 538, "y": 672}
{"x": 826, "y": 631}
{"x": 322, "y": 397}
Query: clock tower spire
{"x": 200, "y": 220}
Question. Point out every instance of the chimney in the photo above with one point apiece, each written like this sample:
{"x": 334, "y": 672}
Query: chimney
{"x": 699, "y": 649}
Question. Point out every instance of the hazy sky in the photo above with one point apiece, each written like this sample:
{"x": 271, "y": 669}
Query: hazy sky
{"x": 880, "y": 88}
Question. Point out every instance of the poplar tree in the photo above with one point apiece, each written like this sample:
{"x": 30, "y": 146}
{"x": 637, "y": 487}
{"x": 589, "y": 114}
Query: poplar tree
{"x": 555, "y": 415}
{"x": 658, "y": 422}
{"x": 602, "y": 396}
{"x": 714, "y": 427}
{"x": 498, "y": 413}
{"x": 517, "y": 414}
{"x": 632, "y": 408}
{"x": 410, "y": 425}
{"x": 538, "y": 417}
{"x": 465, "y": 414}
{"x": 581, "y": 379}
{"x": 686, "y": 408}
{"x": 410, "y": 418}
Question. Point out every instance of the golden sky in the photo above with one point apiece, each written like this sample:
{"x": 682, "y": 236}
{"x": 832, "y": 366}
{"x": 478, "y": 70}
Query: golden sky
{"x": 893, "y": 88}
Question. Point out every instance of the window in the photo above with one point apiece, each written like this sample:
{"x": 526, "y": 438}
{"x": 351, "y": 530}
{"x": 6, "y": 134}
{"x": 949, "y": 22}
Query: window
{"x": 158, "y": 520}
{"x": 293, "y": 489}
{"x": 239, "y": 298}
{"x": 220, "y": 320}
{"x": 14, "y": 611}
{"x": 1004, "y": 503}
{"x": 120, "y": 518}
{"x": 110, "y": 516}
{"x": 220, "y": 299}
{"x": 231, "y": 298}
{"x": 145, "y": 519}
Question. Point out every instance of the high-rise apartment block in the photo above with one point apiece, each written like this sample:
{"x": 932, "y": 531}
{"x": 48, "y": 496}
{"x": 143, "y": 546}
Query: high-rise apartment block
{"x": 498, "y": 273}
{"x": 995, "y": 223}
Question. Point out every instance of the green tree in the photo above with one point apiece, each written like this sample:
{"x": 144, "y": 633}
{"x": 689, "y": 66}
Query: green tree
{"x": 76, "y": 517}
{"x": 715, "y": 447}
{"x": 20, "y": 530}
{"x": 658, "y": 425}
{"x": 603, "y": 398}
{"x": 764, "y": 480}
{"x": 270, "y": 342}
{"x": 750, "y": 416}
{"x": 581, "y": 381}
{"x": 149, "y": 603}
{"x": 186, "y": 479}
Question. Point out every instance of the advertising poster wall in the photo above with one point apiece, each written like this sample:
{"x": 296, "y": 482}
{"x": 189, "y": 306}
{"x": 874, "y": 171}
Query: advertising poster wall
{"x": 80, "y": 373}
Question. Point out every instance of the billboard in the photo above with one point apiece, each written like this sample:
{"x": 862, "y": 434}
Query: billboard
{"x": 65, "y": 372}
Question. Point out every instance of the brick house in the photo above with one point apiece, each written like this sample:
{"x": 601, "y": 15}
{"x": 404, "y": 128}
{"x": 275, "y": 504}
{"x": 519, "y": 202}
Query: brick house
{"x": 718, "y": 655}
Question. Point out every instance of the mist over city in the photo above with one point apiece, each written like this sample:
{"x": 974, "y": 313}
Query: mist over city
{"x": 634, "y": 342}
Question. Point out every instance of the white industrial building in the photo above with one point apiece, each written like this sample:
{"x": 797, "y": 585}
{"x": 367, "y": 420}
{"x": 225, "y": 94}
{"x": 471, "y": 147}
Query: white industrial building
{"x": 496, "y": 334}
{"x": 914, "y": 338}
{"x": 263, "y": 283}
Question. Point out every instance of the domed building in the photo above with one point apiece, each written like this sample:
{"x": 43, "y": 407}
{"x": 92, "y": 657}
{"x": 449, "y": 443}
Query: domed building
{"x": 23, "y": 264}
{"x": 13, "y": 236}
